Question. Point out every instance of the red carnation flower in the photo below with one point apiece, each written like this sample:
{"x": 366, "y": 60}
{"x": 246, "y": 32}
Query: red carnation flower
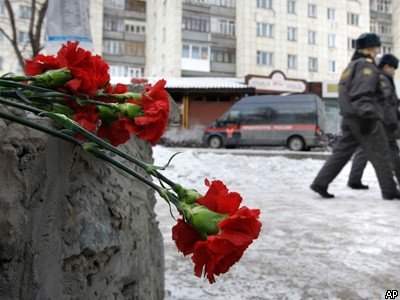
{"x": 86, "y": 116}
{"x": 41, "y": 63}
{"x": 90, "y": 72}
{"x": 115, "y": 132}
{"x": 155, "y": 105}
{"x": 217, "y": 253}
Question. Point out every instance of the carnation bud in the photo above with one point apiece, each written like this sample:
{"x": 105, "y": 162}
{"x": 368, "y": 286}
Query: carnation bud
{"x": 202, "y": 219}
{"x": 53, "y": 78}
{"x": 106, "y": 114}
{"x": 131, "y": 110}
{"x": 185, "y": 195}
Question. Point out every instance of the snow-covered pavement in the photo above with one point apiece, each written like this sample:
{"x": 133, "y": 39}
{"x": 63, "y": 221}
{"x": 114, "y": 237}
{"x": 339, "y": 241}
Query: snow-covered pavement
{"x": 309, "y": 248}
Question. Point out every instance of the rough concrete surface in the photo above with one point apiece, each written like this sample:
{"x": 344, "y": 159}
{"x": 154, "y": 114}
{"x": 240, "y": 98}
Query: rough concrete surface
{"x": 72, "y": 227}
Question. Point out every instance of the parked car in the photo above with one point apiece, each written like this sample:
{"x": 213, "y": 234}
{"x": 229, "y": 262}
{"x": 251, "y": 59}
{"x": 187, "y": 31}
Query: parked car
{"x": 294, "y": 120}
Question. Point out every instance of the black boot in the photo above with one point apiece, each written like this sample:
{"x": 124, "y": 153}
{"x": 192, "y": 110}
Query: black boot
{"x": 392, "y": 197}
{"x": 323, "y": 191}
{"x": 358, "y": 186}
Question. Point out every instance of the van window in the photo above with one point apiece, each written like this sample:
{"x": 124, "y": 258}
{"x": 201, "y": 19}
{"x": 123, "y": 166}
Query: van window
{"x": 257, "y": 114}
{"x": 230, "y": 117}
{"x": 284, "y": 113}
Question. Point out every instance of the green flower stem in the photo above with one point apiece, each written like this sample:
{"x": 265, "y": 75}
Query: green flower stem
{"x": 92, "y": 137}
{"x": 151, "y": 169}
{"x": 94, "y": 151}
{"x": 20, "y": 105}
{"x": 112, "y": 105}
{"x": 148, "y": 167}
{"x": 165, "y": 194}
{"x": 20, "y": 78}
{"x": 70, "y": 124}
{"x": 99, "y": 154}
{"x": 7, "y": 82}
{"x": 39, "y": 127}
{"x": 122, "y": 97}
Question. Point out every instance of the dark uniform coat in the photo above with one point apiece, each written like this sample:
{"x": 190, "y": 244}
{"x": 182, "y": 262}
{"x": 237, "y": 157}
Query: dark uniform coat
{"x": 390, "y": 121}
{"x": 360, "y": 100}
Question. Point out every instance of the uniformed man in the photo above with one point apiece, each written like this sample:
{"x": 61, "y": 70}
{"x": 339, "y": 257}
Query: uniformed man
{"x": 359, "y": 97}
{"x": 388, "y": 65}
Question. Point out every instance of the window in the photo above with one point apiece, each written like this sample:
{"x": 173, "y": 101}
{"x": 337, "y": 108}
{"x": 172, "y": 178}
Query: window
{"x": 196, "y": 23}
{"x": 332, "y": 66}
{"x": 292, "y": 34}
{"x": 384, "y": 28}
{"x": 195, "y": 1}
{"x": 195, "y": 51}
{"x": 223, "y": 55}
{"x": 331, "y": 41}
{"x": 312, "y": 37}
{"x": 225, "y": 27}
{"x": 264, "y": 4}
{"x": 265, "y": 58}
{"x": 125, "y": 71}
{"x": 23, "y": 37}
{"x": 25, "y": 12}
{"x": 1, "y": 62}
{"x": 135, "y": 5}
{"x": 373, "y": 26}
{"x": 331, "y": 14}
{"x": 264, "y": 29}
{"x": 120, "y": 4}
{"x": 186, "y": 51}
{"x": 291, "y": 6}
{"x": 386, "y": 49}
{"x": 2, "y": 9}
{"x": 353, "y": 19}
{"x": 292, "y": 61}
{"x": 225, "y": 3}
{"x": 1, "y": 36}
{"x": 384, "y": 6}
{"x": 312, "y": 10}
{"x": 135, "y": 49}
{"x": 113, "y": 25}
{"x": 113, "y": 47}
{"x": 312, "y": 64}
{"x": 351, "y": 44}
{"x": 138, "y": 28}
{"x": 134, "y": 72}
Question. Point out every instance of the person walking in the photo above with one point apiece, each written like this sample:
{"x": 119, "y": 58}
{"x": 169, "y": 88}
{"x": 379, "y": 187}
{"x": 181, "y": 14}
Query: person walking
{"x": 388, "y": 65}
{"x": 359, "y": 97}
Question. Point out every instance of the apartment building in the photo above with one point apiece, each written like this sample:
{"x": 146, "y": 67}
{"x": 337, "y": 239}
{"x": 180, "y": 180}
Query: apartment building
{"x": 124, "y": 37}
{"x": 305, "y": 39}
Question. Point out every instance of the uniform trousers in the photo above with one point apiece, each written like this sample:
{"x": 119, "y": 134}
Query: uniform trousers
{"x": 376, "y": 150}
{"x": 360, "y": 161}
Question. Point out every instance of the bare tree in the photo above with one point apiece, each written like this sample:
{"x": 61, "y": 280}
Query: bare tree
{"x": 38, "y": 12}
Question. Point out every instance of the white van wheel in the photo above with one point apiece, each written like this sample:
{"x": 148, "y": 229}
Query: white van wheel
{"x": 215, "y": 142}
{"x": 296, "y": 143}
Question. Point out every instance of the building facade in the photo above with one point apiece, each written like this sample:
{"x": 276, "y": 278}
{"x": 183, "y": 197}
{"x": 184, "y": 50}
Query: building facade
{"x": 306, "y": 40}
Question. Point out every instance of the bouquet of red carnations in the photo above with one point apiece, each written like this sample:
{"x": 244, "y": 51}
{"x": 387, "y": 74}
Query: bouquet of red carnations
{"x": 73, "y": 88}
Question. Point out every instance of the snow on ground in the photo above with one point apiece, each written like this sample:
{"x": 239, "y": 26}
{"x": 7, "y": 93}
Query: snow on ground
{"x": 309, "y": 248}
